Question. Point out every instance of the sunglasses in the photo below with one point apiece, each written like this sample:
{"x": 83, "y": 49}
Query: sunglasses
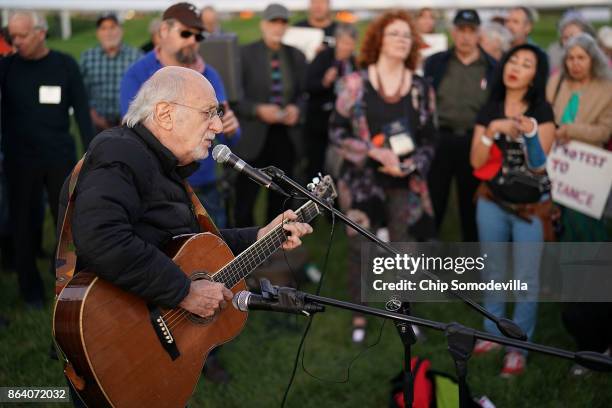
{"x": 186, "y": 34}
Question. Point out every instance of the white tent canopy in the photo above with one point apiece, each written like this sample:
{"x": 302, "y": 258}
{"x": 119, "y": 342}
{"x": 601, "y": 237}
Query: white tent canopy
{"x": 67, "y": 6}
{"x": 256, "y": 5}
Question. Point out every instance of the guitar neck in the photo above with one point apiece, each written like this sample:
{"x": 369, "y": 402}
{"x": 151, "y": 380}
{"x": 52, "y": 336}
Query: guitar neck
{"x": 241, "y": 266}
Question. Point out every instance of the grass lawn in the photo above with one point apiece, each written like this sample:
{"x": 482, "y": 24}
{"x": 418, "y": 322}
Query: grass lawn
{"x": 261, "y": 358}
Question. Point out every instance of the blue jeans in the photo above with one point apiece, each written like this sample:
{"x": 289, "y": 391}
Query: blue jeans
{"x": 497, "y": 225}
{"x": 213, "y": 203}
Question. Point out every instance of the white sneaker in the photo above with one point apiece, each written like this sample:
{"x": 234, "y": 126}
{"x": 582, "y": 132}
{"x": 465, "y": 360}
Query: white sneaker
{"x": 383, "y": 234}
{"x": 358, "y": 335}
{"x": 313, "y": 273}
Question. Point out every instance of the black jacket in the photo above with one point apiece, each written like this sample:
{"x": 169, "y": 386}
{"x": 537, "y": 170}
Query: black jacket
{"x": 435, "y": 67}
{"x": 129, "y": 202}
{"x": 256, "y": 82}
{"x": 35, "y": 131}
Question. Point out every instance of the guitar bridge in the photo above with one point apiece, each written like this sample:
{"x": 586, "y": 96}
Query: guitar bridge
{"x": 163, "y": 332}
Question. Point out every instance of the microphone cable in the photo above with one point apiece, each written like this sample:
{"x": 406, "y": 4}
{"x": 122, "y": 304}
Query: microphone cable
{"x": 291, "y": 270}
{"x": 306, "y": 330}
{"x": 301, "y": 351}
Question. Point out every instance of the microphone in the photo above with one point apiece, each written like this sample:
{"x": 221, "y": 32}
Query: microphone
{"x": 222, "y": 154}
{"x": 245, "y": 301}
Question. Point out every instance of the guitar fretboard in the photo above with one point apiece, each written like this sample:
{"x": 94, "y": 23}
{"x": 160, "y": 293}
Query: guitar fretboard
{"x": 256, "y": 254}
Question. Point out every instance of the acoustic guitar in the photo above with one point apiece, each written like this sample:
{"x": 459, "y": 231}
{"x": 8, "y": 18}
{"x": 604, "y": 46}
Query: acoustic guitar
{"x": 120, "y": 351}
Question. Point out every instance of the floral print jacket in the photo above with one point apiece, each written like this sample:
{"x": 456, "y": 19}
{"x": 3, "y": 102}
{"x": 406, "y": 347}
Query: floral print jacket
{"x": 359, "y": 181}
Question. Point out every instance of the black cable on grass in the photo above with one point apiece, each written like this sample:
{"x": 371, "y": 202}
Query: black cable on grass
{"x": 303, "y": 339}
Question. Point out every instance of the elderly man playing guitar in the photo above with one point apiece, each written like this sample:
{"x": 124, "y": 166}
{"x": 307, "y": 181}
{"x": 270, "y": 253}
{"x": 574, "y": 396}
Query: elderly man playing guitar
{"x": 154, "y": 274}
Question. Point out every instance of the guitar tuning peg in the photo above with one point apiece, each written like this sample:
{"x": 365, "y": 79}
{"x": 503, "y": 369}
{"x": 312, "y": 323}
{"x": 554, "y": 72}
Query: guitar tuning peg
{"x": 310, "y": 186}
{"x": 316, "y": 180}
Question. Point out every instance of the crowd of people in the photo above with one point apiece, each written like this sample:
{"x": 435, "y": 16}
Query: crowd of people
{"x": 393, "y": 128}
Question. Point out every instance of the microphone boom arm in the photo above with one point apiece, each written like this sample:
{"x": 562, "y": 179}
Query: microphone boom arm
{"x": 506, "y": 326}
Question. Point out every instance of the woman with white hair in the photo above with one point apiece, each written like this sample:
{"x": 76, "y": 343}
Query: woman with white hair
{"x": 581, "y": 96}
{"x": 571, "y": 24}
{"x": 495, "y": 39}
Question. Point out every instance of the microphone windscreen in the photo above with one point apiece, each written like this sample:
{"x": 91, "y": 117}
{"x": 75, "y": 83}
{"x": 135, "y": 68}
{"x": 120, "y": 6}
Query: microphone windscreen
{"x": 241, "y": 300}
{"x": 221, "y": 153}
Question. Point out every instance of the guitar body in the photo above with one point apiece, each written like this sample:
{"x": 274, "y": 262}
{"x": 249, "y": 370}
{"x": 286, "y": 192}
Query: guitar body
{"x": 115, "y": 356}
{"x": 120, "y": 351}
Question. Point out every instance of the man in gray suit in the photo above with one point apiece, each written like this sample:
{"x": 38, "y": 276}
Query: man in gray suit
{"x": 272, "y": 78}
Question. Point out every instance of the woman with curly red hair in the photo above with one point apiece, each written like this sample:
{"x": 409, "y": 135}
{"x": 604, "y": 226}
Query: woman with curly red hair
{"x": 383, "y": 126}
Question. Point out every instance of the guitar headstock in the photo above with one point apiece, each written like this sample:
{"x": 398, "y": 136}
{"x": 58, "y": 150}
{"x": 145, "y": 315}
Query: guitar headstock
{"x": 324, "y": 188}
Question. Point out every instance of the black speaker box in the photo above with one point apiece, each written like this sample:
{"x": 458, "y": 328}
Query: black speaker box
{"x": 221, "y": 51}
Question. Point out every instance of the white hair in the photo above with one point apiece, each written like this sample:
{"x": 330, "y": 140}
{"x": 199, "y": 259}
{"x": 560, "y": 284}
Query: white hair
{"x": 162, "y": 86}
{"x": 599, "y": 61}
{"x": 154, "y": 25}
{"x": 39, "y": 22}
{"x": 575, "y": 18}
{"x": 497, "y": 32}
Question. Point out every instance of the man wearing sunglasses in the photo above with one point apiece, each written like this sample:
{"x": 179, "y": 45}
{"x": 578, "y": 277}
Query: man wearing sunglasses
{"x": 180, "y": 33}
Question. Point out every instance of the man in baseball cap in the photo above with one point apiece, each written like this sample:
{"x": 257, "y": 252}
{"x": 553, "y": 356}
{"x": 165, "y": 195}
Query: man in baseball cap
{"x": 180, "y": 33}
{"x": 460, "y": 77}
{"x": 103, "y": 67}
{"x": 269, "y": 111}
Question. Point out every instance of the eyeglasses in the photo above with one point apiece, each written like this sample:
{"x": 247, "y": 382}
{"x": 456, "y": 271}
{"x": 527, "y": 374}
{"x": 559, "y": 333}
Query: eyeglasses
{"x": 208, "y": 114}
{"x": 396, "y": 34}
{"x": 199, "y": 37}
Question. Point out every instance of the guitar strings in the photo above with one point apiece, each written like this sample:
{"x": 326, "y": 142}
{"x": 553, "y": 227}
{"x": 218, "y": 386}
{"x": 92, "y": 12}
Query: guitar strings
{"x": 270, "y": 242}
{"x": 176, "y": 314}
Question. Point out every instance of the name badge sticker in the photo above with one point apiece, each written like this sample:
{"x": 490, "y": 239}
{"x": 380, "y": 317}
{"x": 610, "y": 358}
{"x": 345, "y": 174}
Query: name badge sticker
{"x": 483, "y": 84}
{"x": 50, "y": 95}
{"x": 399, "y": 137}
{"x": 401, "y": 144}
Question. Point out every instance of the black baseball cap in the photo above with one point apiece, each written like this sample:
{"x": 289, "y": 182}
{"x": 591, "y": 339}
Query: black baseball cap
{"x": 106, "y": 16}
{"x": 466, "y": 17}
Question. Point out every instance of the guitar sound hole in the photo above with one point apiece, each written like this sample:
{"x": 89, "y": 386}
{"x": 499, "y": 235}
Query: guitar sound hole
{"x": 193, "y": 317}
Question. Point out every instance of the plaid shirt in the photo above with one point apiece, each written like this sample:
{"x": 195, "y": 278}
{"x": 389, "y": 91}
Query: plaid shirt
{"x": 102, "y": 77}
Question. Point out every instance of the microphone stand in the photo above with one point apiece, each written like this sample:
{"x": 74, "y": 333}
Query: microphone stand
{"x": 461, "y": 341}
{"x": 506, "y": 326}
{"x": 460, "y": 338}
{"x": 408, "y": 338}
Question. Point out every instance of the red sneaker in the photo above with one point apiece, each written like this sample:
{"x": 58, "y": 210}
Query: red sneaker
{"x": 514, "y": 364}
{"x": 485, "y": 346}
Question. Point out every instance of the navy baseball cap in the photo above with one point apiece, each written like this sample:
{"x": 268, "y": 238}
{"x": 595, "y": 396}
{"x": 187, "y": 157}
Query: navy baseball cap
{"x": 106, "y": 16}
{"x": 466, "y": 17}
